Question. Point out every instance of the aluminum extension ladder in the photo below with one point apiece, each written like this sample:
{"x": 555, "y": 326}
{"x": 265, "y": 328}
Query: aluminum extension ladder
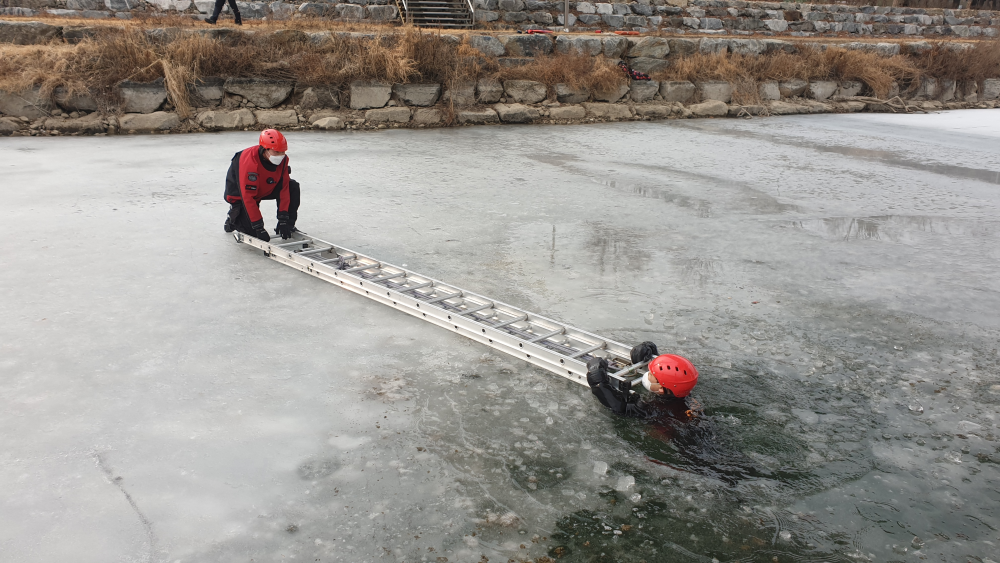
{"x": 554, "y": 346}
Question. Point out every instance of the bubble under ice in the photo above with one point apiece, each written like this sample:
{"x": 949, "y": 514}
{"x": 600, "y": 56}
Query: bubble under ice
{"x": 171, "y": 395}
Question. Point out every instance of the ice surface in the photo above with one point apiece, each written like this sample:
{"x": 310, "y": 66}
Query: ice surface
{"x": 625, "y": 483}
{"x": 171, "y": 395}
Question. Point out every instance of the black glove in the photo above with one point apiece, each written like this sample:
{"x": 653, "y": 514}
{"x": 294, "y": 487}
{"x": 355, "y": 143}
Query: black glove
{"x": 259, "y": 231}
{"x": 597, "y": 371}
{"x": 644, "y": 352}
{"x": 285, "y": 226}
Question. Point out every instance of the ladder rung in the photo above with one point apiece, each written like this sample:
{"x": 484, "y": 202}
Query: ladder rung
{"x": 359, "y": 268}
{"x": 479, "y": 308}
{"x": 389, "y": 277}
{"x": 585, "y": 351}
{"x": 625, "y": 371}
{"x": 445, "y": 297}
{"x": 330, "y": 260}
{"x": 314, "y": 251}
{"x": 548, "y": 335}
{"x": 416, "y": 287}
{"x": 284, "y": 244}
{"x": 510, "y": 322}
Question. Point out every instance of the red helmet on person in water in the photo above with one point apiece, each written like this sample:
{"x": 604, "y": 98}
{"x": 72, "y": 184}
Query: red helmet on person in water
{"x": 274, "y": 140}
{"x": 675, "y": 373}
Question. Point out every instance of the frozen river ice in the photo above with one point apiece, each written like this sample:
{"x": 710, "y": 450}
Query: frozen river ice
{"x": 169, "y": 395}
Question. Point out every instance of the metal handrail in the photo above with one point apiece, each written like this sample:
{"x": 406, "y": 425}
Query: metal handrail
{"x": 404, "y": 11}
{"x": 407, "y": 17}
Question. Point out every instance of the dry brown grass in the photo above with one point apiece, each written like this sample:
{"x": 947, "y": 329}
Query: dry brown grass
{"x": 747, "y": 71}
{"x": 181, "y": 55}
{"x": 574, "y": 69}
{"x": 953, "y": 4}
{"x": 975, "y": 64}
{"x": 128, "y": 53}
{"x": 439, "y": 58}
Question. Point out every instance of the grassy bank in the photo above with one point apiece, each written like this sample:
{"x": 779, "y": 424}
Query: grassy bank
{"x": 876, "y": 72}
{"x": 98, "y": 63}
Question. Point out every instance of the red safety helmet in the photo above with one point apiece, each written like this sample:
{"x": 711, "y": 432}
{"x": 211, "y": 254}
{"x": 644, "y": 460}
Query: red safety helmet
{"x": 274, "y": 140}
{"x": 676, "y": 374}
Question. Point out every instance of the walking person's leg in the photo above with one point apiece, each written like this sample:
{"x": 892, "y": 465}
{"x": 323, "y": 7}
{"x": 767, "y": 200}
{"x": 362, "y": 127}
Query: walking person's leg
{"x": 218, "y": 9}
{"x": 236, "y": 11}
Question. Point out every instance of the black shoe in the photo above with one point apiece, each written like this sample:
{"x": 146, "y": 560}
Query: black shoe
{"x": 228, "y": 227}
{"x": 239, "y": 20}
{"x": 211, "y": 21}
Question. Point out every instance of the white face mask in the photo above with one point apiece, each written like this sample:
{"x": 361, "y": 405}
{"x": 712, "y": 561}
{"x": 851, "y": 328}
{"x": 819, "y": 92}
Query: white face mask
{"x": 276, "y": 159}
{"x": 647, "y": 380}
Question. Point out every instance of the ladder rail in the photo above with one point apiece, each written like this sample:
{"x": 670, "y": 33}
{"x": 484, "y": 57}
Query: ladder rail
{"x": 397, "y": 287}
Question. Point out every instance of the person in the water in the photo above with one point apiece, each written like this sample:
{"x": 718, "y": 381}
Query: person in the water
{"x": 668, "y": 375}
{"x": 672, "y": 416}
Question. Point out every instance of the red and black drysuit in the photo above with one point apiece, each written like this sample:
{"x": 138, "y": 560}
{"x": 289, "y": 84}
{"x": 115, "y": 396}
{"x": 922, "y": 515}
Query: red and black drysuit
{"x": 252, "y": 178}
{"x": 620, "y": 401}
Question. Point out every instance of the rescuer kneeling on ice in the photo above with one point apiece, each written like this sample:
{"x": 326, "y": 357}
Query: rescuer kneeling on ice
{"x": 258, "y": 173}
{"x": 667, "y": 375}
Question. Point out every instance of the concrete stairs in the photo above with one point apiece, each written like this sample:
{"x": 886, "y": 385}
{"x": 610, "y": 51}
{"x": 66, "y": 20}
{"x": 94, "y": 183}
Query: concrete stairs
{"x": 438, "y": 13}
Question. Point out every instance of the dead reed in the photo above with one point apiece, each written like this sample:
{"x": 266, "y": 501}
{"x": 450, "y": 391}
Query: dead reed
{"x": 808, "y": 63}
{"x": 973, "y": 64}
{"x": 576, "y": 70}
{"x": 182, "y": 55}
{"x": 113, "y": 55}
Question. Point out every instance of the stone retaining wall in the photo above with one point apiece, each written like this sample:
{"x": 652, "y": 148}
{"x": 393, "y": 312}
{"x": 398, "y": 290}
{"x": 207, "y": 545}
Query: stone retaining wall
{"x": 717, "y": 17}
{"x": 645, "y": 53}
{"x": 252, "y": 103}
{"x": 243, "y": 104}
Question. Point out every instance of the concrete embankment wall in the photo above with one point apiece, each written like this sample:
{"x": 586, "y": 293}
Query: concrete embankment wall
{"x": 674, "y": 16}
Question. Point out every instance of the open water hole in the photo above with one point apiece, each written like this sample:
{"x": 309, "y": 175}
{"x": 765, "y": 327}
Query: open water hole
{"x": 170, "y": 395}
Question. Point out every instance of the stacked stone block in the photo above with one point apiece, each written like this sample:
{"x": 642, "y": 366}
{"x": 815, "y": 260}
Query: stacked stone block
{"x": 721, "y": 17}
{"x": 240, "y": 103}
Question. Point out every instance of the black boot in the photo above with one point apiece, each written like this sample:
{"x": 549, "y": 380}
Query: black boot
{"x": 233, "y": 217}
{"x": 211, "y": 20}
{"x": 239, "y": 20}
